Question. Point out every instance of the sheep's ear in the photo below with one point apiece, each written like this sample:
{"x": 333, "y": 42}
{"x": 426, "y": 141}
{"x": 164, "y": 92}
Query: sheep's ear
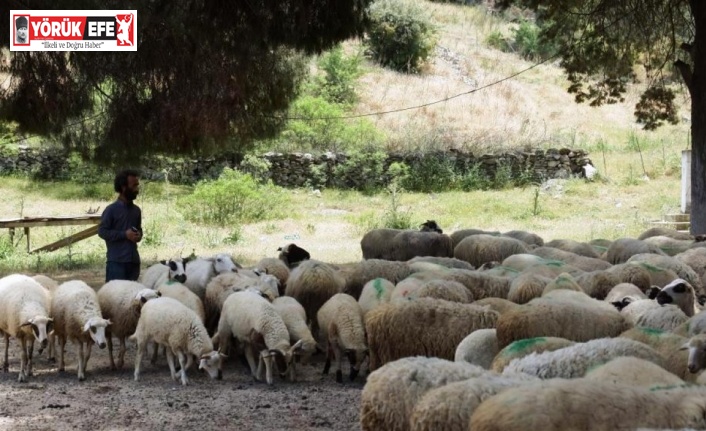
{"x": 159, "y": 294}
{"x": 143, "y": 299}
{"x": 108, "y": 322}
{"x": 87, "y": 326}
{"x": 618, "y": 305}
{"x": 684, "y": 346}
{"x": 27, "y": 323}
{"x": 298, "y": 346}
{"x": 652, "y": 292}
{"x": 222, "y": 355}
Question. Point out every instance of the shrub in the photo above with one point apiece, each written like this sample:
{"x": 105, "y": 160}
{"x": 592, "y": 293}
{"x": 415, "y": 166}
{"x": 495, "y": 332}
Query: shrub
{"x": 475, "y": 179}
{"x": 362, "y": 170}
{"x": 394, "y": 217}
{"x": 337, "y": 84}
{"x": 401, "y": 34}
{"x": 233, "y": 198}
{"x": 257, "y": 167}
{"x": 432, "y": 173}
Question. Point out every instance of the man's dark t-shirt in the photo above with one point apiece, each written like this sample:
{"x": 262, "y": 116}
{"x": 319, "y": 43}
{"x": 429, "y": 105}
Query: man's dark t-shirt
{"x": 115, "y": 220}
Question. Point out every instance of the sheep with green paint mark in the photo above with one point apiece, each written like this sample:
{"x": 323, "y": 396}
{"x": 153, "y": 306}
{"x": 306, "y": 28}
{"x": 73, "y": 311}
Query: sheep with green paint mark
{"x": 583, "y": 263}
{"x": 563, "y": 281}
{"x": 524, "y": 347}
{"x": 375, "y": 292}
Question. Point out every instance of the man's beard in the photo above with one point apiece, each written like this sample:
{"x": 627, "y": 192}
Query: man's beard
{"x": 130, "y": 195}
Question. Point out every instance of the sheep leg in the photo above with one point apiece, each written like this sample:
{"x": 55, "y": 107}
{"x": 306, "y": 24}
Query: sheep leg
{"x": 6, "y": 364}
{"x": 121, "y": 353}
{"x": 155, "y": 353}
{"x": 23, "y": 362}
{"x": 62, "y": 348}
{"x": 138, "y": 359}
{"x": 182, "y": 362}
{"x": 266, "y": 358}
{"x": 30, "y": 354}
{"x": 52, "y": 347}
{"x": 81, "y": 362}
{"x": 249, "y": 355}
{"x": 109, "y": 339}
{"x": 170, "y": 361}
{"x": 89, "y": 346}
{"x": 291, "y": 370}
{"x": 329, "y": 354}
{"x": 339, "y": 362}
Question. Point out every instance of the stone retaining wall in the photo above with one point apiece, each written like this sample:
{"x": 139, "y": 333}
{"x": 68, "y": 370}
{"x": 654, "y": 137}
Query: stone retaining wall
{"x": 303, "y": 169}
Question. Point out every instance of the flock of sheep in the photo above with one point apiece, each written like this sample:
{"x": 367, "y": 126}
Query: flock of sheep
{"x": 474, "y": 330}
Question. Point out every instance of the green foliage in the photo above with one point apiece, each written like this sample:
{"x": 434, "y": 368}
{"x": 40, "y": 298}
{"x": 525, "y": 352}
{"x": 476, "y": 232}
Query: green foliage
{"x": 235, "y": 235}
{"x": 317, "y": 176}
{"x": 395, "y": 217}
{"x": 362, "y": 170}
{"x": 235, "y": 197}
{"x": 432, "y": 173}
{"x": 502, "y": 179}
{"x": 256, "y": 167}
{"x": 337, "y": 84}
{"x": 526, "y": 40}
{"x": 401, "y": 34}
{"x": 497, "y": 40}
{"x": 475, "y": 178}
{"x": 6, "y": 247}
{"x": 398, "y": 172}
{"x": 317, "y": 126}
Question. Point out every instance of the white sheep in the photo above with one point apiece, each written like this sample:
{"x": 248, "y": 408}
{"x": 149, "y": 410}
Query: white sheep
{"x": 274, "y": 266}
{"x": 680, "y": 293}
{"x": 77, "y": 316}
{"x": 201, "y": 270}
{"x": 624, "y": 293}
{"x": 120, "y": 302}
{"x": 170, "y": 323}
{"x": 633, "y": 371}
{"x": 294, "y": 318}
{"x": 24, "y": 315}
{"x": 375, "y": 292}
{"x": 341, "y": 328}
{"x": 255, "y": 323}
{"x": 574, "y": 361}
{"x": 479, "y": 347}
{"x": 581, "y": 404}
{"x": 391, "y": 392}
{"x": 163, "y": 271}
{"x": 176, "y": 290}
{"x": 223, "y": 285}
{"x": 522, "y": 348}
{"x": 312, "y": 283}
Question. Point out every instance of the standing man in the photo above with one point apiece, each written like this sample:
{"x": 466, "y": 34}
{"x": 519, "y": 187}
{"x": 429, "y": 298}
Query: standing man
{"x": 121, "y": 228}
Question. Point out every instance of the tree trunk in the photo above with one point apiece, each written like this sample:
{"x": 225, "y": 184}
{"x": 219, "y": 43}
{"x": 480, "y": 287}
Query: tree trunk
{"x": 698, "y": 122}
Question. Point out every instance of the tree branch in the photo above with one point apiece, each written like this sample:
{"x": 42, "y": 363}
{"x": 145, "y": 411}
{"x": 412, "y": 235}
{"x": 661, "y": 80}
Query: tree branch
{"x": 685, "y": 71}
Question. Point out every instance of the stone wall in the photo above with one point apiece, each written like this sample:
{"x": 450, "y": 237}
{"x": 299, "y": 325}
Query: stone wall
{"x": 303, "y": 169}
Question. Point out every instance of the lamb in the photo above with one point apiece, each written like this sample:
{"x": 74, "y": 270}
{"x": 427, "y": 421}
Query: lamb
{"x": 48, "y": 283}
{"x": 77, "y": 316}
{"x": 219, "y": 289}
{"x": 391, "y": 392}
{"x": 680, "y": 293}
{"x": 632, "y": 371}
{"x": 622, "y": 249}
{"x": 571, "y": 315}
{"x": 341, "y": 327}
{"x": 524, "y": 347}
{"x": 362, "y": 272}
{"x": 574, "y": 361}
{"x": 576, "y": 247}
{"x": 176, "y": 290}
{"x": 294, "y": 318}
{"x": 479, "y": 284}
{"x": 480, "y": 249}
{"x": 562, "y": 281}
{"x": 632, "y": 273}
{"x": 120, "y": 302}
{"x": 531, "y": 239}
{"x": 450, "y": 407}
{"x": 696, "y": 346}
{"x": 292, "y": 255}
{"x": 172, "y": 324}
{"x": 666, "y": 318}
{"x": 409, "y": 244}
{"x": 597, "y": 284}
{"x": 375, "y": 292}
{"x": 526, "y": 287}
{"x": 165, "y": 270}
{"x": 200, "y": 271}
{"x": 255, "y": 323}
{"x": 425, "y": 326}
{"x": 24, "y": 306}
{"x": 313, "y": 283}
{"x": 478, "y": 348}
{"x": 563, "y": 405}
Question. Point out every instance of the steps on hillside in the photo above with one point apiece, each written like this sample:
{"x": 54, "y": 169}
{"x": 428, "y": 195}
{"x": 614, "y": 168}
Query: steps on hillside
{"x": 679, "y": 222}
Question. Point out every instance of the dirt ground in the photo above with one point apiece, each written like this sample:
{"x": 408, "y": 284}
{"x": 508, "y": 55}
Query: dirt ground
{"x": 112, "y": 400}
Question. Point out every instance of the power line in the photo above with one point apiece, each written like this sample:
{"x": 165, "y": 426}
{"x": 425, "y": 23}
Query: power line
{"x": 83, "y": 120}
{"x": 409, "y": 108}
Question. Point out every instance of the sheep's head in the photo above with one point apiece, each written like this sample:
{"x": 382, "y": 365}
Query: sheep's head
{"x": 142, "y": 297}
{"x": 177, "y": 269}
{"x": 430, "y": 226}
{"x": 697, "y": 353}
{"x": 356, "y": 358}
{"x": 680, "y": 293}
{"x": 284, "y": 359}
{"x": 96, "y": 329}
{"x": 292, "y": 255}
{"x": 223, "y": 263}
{"x": 211, "y": 362}
{"x": 40, "y": 326}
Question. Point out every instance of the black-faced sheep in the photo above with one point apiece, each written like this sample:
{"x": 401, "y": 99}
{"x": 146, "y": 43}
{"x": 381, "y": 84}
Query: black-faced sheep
{"x": 293, "y": 255}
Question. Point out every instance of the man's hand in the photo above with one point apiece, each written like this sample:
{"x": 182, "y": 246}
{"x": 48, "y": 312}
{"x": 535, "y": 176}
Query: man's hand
{"x": 134, "y": 236}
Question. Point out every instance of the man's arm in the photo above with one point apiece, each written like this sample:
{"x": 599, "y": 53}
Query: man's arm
{"x": 106, "y": 231}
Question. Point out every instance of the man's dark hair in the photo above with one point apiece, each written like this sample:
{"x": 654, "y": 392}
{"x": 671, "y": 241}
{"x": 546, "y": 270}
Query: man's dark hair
{"x": 121, "y": 179}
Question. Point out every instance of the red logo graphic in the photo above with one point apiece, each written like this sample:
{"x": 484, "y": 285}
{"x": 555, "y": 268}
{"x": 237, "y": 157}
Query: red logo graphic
{"x": 126, "y": 31}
